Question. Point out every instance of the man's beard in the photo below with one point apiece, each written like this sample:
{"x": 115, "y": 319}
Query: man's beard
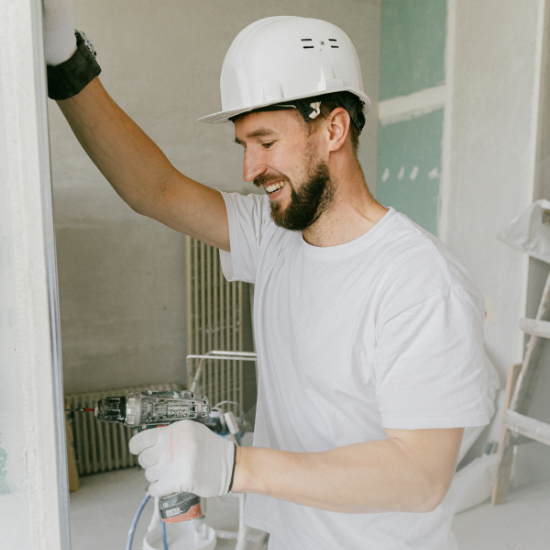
{"x": 313, "y": 197}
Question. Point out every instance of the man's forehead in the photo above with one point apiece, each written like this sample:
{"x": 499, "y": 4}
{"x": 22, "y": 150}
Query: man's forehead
{"x": 264, "y": 124}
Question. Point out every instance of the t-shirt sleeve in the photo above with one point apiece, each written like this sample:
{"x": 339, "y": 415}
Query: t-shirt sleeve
{"x": 430, "y": 364}
{"x": 249, "y": 219}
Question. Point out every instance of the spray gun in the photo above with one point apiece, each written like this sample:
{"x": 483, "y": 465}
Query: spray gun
{"x": 153, "y": 409}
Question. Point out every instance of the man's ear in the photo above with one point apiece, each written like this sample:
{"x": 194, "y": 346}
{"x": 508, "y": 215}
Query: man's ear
{"x": 338, "y": 124}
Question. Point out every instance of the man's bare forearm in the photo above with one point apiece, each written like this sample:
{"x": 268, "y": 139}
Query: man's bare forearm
{"x": 124, "y": 154}
{"x": 376, "y": 476}
{"x": 140, "y": 172}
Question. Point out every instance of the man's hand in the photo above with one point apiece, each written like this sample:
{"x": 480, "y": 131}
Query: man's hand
{"x": 59, "y": 38}
{"x": 185, "y": 457}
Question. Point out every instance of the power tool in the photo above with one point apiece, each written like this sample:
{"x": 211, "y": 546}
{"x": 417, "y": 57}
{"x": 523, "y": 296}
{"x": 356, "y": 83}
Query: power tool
{"x": 153, "y": 409}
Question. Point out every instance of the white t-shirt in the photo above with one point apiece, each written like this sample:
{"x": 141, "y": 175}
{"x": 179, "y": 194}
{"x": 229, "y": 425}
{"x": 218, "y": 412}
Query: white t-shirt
{"x": 385, "y": 331}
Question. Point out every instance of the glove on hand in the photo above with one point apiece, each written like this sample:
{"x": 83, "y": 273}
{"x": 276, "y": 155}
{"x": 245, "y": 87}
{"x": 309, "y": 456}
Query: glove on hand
{"x": 185, "y": 457}
{"x": 59, "y": 38}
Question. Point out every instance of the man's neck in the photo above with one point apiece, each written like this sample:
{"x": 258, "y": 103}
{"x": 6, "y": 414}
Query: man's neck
{"x": 353, "y": 212}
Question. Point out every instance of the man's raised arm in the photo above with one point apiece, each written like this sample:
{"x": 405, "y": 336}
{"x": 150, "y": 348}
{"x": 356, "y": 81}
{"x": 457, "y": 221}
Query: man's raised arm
{"x": 137, "y": 169}
{"x": 140, "y": 172}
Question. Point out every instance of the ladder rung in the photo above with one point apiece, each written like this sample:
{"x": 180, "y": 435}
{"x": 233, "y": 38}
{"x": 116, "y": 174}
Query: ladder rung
{"x": 529, "y": 427}
{"x": 535, "y": 327}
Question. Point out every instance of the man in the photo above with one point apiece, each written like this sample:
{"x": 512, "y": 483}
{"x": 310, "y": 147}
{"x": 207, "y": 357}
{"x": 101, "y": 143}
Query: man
{"x": 368, "y": 331}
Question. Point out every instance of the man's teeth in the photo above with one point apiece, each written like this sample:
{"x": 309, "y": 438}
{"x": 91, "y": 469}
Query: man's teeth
{"x": 274, "y": 186}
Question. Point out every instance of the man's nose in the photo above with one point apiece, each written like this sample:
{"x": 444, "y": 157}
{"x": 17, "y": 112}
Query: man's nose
{"x": 253, "y": 166}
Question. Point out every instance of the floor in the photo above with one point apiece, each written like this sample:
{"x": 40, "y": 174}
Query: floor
{"x": 103, "y": 508}
{"x": 523, "y": 523}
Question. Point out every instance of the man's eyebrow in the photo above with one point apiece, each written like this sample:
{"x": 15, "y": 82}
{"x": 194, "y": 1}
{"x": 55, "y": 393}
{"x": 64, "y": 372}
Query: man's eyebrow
{"x": 260, "y": 132}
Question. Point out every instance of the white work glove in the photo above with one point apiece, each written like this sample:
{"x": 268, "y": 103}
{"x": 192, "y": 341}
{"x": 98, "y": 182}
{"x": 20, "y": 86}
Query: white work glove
{"x": 185, "y": 457}
{"x": 59, "y": 38}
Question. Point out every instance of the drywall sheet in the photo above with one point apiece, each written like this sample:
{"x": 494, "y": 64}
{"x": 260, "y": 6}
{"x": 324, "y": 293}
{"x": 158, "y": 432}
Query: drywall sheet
{"x": 409, "y": 167}
{"x": 413, "y": 46}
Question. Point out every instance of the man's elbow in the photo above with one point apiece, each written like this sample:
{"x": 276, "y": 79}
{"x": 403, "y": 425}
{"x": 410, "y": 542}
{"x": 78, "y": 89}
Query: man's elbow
{"x": 433, "y": 497}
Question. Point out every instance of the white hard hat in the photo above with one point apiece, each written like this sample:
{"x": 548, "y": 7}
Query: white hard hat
{"x": 285, "y": 58}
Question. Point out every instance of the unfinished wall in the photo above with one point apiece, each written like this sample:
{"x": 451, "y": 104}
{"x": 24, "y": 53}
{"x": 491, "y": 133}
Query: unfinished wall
{"x": 122, "y": 275}
{"x": 412, "y": 75}
{"x": 534, "y": 458}
{"x": 494, "y": 62}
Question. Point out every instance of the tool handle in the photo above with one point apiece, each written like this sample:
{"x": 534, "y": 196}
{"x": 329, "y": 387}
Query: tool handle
{"x": 177, "y": 506}
{"x": 180, "y": 507}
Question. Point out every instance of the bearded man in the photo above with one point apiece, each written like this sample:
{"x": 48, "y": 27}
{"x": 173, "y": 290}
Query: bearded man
{"x": 368, "y": 331}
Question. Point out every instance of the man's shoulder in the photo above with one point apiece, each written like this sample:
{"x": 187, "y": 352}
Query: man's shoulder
{"x": 419, "y": 265}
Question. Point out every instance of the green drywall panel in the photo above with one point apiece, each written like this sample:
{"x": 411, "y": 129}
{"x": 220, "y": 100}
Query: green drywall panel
{"x": 413, "y": 46}
{"x": 409, "y": 167}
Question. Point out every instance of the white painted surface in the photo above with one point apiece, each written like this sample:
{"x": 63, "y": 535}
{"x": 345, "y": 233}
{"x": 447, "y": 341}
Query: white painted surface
{"x": 493, "y": 67}
{"x": 398, "y": 109}
{"x": 122, "y": 275}
{"x": 32, "y": 513}
{"x": 493, "y": 109}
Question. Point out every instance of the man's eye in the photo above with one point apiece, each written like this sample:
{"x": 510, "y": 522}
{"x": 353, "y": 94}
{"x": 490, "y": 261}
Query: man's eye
{"x": 267, "y": 145}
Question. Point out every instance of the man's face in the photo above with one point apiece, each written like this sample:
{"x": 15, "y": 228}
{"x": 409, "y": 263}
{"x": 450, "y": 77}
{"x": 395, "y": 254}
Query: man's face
{"x": 280, "y": 157}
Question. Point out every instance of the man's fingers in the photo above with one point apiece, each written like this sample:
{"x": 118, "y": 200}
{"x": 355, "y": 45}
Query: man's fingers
{"x": 153, "y": 473}
{"x": 144, "y": 440}
{"x": 148, "y": 458}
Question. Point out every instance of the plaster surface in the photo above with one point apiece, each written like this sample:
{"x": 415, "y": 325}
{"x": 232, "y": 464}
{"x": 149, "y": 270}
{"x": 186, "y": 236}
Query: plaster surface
{"x": 489, "y": 155}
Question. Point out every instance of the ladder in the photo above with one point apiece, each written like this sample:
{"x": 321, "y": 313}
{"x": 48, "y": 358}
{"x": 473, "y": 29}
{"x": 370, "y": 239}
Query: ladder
{"x": 516, "y": 424}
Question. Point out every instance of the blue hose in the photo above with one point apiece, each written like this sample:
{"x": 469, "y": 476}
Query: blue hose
{"x": 164, "y": 536}
{"x": 132, "y": 530}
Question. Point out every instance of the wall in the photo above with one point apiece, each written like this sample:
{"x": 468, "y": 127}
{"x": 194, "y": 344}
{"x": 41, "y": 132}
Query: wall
{"x": 494, "y": 62}
{"x": 122, "y": 275}
{"x": 412, "y": 78}
{"x": 534, "y": 463}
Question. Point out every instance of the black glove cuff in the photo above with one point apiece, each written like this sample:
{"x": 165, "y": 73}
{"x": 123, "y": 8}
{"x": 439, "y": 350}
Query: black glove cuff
{"x": 72, "y": 76}
{"x": 233, "y": 472}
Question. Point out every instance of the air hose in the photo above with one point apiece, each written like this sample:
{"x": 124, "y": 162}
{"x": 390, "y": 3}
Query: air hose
{"x": 132, "y": 530}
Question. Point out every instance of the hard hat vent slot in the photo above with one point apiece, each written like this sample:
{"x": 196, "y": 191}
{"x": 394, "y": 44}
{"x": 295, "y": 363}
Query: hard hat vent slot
{"x": 307, "y": 40}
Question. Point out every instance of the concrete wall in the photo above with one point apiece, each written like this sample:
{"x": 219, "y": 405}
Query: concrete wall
{"x": 491, "y": 129}
{"x": 122, "y": 275}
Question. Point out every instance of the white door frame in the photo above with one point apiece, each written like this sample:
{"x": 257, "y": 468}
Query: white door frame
{"x": 34, "y": 504}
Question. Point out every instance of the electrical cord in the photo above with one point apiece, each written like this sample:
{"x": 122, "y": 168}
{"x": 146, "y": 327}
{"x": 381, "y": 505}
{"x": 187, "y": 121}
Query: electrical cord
{"x": 132, "y": 530}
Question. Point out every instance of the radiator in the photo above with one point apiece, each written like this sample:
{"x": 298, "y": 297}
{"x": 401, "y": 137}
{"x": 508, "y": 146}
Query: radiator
{"x": 215, "y": 313}
{"x": 101, "y": 446}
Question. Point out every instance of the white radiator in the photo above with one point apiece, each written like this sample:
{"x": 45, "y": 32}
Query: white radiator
{"x": 215, "y": 314}
{"x": 101, "y": 446}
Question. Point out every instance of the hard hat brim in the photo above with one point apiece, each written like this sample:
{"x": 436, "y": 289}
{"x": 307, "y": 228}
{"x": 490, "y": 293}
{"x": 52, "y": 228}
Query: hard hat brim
{"x": 225, "y": 116}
